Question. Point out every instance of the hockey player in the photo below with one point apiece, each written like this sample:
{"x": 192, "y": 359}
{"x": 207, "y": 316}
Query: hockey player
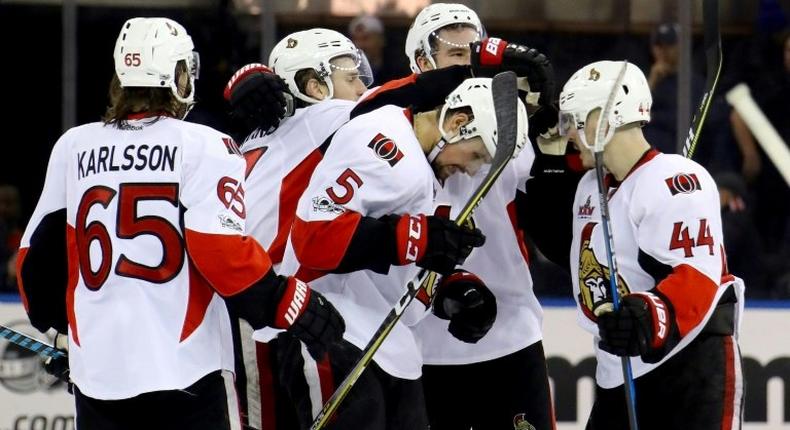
{"x": 137, "y": 248}
{"x": 508, "y": 364}
{"x": 679, "y": 310}
{"x": 326, "y": 74}
{"x": 362, "y": 220}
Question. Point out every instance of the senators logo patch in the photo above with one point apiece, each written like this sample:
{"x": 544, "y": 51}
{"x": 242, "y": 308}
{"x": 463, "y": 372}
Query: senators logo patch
{"x": 683, "y": 183}
{"x": 386, "y": 149}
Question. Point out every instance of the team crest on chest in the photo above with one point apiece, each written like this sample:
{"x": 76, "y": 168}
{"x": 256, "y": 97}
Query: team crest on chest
{"x": 594, "y": 276}
{"x": 386, "y": 149}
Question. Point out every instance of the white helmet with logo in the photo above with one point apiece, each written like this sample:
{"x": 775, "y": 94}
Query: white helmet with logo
{"x": 431, "y": 19}
{"x": 147, "y": 52}
{"x": 589, "y": 88}
{"x": 315, "y": 49}
{"x": 475, "y": 93}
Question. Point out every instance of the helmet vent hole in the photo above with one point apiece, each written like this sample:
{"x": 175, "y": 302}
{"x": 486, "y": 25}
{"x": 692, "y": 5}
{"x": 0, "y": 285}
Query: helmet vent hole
{"x": 625, "y": 88}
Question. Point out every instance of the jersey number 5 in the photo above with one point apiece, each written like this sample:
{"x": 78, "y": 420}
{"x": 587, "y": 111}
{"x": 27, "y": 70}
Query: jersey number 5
{"x": 128, "y": 226}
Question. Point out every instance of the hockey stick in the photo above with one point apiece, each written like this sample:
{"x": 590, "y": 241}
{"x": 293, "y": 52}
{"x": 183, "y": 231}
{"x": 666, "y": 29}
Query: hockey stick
{"x": 712, "y": 40}
{"x": 30, "y": 343}
{"x": 505, "y": 95}
{"x": 602, "y": 135}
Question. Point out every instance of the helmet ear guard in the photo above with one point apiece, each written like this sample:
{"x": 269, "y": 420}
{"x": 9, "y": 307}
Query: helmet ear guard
{"x": 588, "y": 89}
{"x": 147, "y": 53}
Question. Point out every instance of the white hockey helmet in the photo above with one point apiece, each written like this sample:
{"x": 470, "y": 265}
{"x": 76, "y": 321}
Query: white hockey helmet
{"x": 589, "y": 88}
{"x": 147, "y": 51}
{"x": 432, "y": 19}
{"x": 315, "y": 49}
{"x": 475, "y": 93}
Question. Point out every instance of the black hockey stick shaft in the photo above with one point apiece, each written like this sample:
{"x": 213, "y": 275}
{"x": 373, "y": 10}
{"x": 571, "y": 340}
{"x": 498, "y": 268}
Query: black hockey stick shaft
{"x": 29, "y": 343}
{"x": 505, "y": 94}
{"x": 712, "y": 41}
{"x": 603, "y": 133}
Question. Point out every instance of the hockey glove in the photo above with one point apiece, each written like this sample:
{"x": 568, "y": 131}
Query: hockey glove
{"x": 259, "y": 99}
{"x": 643, "y": 325}
{"x": 464, "y": 299}
{"x": 307, "y": 315}
{"x": 432, "y": 242}
{"x": 493, "y": 55}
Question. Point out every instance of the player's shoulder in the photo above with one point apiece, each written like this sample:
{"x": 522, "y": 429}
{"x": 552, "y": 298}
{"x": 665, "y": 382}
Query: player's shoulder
{"x": 668, "y": 169}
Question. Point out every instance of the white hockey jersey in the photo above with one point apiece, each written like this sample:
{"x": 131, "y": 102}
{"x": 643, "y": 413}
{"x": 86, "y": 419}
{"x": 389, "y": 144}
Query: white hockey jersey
{"x": 153, "y": 215}
{"x": 502, "y": 263}
{"x": 667, "y": 234}
{"x": 279, "y": 166}
{"x": 374, "y": 167}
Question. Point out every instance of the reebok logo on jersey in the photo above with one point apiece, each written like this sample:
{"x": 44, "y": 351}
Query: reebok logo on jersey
{"x": 586, "y": 210}
{"x": 385, "y": 149}
{"x": 683, "y": 183}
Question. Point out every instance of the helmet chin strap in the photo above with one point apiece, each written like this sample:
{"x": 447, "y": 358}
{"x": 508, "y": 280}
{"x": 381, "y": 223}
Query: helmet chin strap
{"x": 437, "y": 148}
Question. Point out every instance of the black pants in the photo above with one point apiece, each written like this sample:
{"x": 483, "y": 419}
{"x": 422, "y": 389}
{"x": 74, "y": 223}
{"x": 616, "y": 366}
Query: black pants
{"x": 700, "y": 388}
{"x": 378, "y": 401}
{"x": 201, "y": 406}
{"x": 504, "y": 393}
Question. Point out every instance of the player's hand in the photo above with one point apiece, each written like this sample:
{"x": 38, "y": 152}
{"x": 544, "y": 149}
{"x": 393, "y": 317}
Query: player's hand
{"x": 642, "y": 326}
{"x": 493, "y": 55}
{"x": 432, "y": 242}
{"x": 258, "y": 98}
{"x": 59, "y": 366}
{"x": 308, "y": 315}
{"x": 464, "y": 299}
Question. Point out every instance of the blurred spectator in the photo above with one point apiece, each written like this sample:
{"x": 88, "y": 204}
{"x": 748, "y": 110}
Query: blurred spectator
{"x": 663, "y": 82}
{"x": 367, "y": 33}
{"x": 742, "y": 243}
{"x": 771, "y": 192}
{"x": 10, "y": 235}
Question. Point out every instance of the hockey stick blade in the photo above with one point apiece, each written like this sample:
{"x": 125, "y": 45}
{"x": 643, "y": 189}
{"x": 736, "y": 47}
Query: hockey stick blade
{"x": 712, "y": 41}
{"x": 505, "y": 95}
{"x": 29, "y": 343}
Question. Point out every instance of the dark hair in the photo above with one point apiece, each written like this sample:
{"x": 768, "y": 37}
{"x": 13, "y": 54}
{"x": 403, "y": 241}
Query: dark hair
{"x": 463, "y": 109}
{"x": 301, "y": 78}
{"x": 126, "y": 101}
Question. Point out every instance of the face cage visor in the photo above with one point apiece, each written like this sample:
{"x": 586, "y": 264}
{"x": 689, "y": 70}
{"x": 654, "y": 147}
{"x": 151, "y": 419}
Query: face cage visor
{"x": 361, "y": 66}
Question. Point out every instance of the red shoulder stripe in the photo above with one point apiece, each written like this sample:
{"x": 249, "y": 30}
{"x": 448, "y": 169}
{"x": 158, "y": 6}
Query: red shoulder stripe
{"x": 230, "y": 263}
{"x": 321, "y": 245}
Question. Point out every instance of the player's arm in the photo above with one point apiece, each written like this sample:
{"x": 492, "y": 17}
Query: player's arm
{"x": 42, "y": 264}
{"x": 333, "y": 231}
{"x": 234, "y": 264}
{"x": 545, "y": 210}
{"x": 681, "y": 246}
{"x": 258, "y": 98}
{"x": 422, "y": 92}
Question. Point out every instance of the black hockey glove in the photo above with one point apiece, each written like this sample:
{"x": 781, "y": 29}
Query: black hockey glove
{"x": 432, "y": 242}
{"x": 308, "y": 316}
{"x": 493, "y": 55}
{"x": 464, "y": 299}
{"x": 259, "y": 99}
{"x": 58, "y": 367}
{"x": 642, "y": 326}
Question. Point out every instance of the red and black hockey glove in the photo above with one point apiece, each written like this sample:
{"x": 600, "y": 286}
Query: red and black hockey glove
{"x": 432, "y": 242}
{"x": 464, "y": 299}
{"x": 259, "y": 99}
{"x": 307, "y": 315}
{"x": 493, "y": 55}
{"x": 642, "y": 326}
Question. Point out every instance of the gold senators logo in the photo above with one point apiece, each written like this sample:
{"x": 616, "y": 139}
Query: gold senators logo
{"x": 594, "y": 75}
{"x": 291, "y": 43}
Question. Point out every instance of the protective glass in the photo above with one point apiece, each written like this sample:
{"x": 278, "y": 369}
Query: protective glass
{"x": 361, "y": 66}
{"x": 194, "y": 65}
